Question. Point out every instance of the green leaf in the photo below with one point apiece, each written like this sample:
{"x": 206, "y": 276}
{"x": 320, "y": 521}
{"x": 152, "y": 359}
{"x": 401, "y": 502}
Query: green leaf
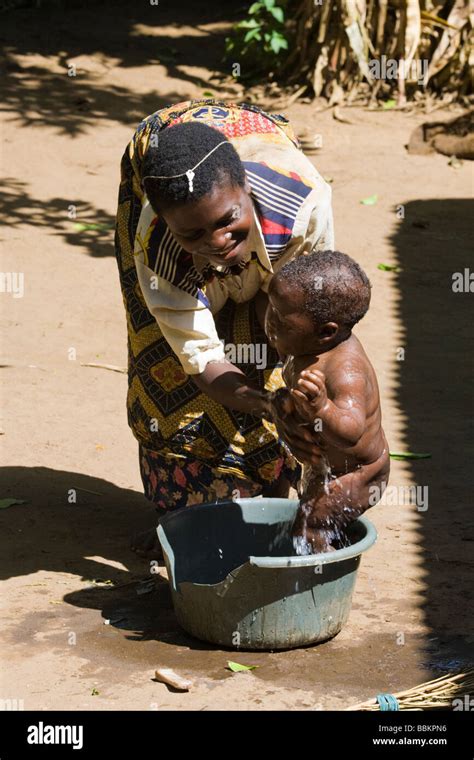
{"x": 268, "y": 4}
{"x": 278, "y": 43}
{"x": 236, "y": 667}
{"x": 251, "y": 24}
{"x": 389, "y": 104}
{"x": 208, "y": 94}
{"x": 94, "y": 692}
{"x": 255, "y": 8}
{"x": 4, "y": 503}
{"x": 278, "y": 14}
{"x": 253, "y": 34}
{"x": 408, "y": 455}
{"x": 370, "y": 201}
{"x": 388, "y": 267}
{"x": 80, "y": 227}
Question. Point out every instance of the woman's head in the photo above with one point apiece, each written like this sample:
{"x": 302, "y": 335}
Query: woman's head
{"x": 214, "y": 219}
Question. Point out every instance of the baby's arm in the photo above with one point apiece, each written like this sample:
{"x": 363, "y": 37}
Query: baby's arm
{"x": 342, "y": 418}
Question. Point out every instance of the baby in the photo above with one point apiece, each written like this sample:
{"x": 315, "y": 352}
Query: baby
{"x": 314, "y": 302}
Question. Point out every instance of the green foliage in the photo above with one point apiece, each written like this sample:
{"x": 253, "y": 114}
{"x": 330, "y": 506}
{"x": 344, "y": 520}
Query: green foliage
{"x": 260, "y": 38}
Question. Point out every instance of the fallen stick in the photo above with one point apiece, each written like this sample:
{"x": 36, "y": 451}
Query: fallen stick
{"x": 97, "y": 365}
{"x": 86, "y": 490}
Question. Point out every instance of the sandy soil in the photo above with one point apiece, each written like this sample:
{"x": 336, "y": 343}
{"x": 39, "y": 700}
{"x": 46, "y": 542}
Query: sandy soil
{"x": 64, "y": 425}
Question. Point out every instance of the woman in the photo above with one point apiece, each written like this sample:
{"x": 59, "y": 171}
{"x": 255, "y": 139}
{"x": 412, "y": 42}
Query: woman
{"x": 214, "y": 199}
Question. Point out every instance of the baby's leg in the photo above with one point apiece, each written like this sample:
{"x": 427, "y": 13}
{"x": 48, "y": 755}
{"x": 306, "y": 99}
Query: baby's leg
{"x": 328, "y": 505}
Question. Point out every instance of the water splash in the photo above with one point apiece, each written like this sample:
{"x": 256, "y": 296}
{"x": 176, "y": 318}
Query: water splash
{"x": 332, "y": 535}
{"x": 280, "y": 537}
{"x": 301, "y": 545}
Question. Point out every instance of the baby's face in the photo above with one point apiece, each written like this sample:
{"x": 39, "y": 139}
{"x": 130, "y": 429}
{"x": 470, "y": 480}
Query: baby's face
{"x": 289, "y": 329}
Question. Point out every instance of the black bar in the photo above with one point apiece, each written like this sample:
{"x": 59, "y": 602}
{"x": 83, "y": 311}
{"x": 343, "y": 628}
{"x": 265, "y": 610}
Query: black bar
{"x": 107, "y": 734}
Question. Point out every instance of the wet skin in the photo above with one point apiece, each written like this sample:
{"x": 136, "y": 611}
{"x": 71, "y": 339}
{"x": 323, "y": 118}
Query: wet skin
{"x": 333, "y": 390}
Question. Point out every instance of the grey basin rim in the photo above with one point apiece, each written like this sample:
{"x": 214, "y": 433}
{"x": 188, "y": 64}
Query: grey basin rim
{"x": 302, "y": 561}
{"x": 325, "y": 558}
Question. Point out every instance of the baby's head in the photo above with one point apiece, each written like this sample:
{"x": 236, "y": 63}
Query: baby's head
{"x": 314, "y": 302}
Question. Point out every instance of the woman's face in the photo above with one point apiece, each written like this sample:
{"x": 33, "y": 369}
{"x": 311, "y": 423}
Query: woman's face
{"x": 216, "y": 226}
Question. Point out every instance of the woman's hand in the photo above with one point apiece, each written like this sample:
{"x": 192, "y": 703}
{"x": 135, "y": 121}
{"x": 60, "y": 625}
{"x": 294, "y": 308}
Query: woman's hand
{"x": 292, "y": 430}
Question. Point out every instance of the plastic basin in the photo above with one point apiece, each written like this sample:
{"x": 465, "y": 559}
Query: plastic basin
{"x": 235, "y": 580}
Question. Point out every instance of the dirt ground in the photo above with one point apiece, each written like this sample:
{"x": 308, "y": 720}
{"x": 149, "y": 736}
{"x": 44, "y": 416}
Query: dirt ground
{"x": 64, "y": 425}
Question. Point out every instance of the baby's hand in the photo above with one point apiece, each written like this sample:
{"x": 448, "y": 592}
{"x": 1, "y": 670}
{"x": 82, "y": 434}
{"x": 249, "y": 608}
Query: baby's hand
{"x": 311, "y": 391}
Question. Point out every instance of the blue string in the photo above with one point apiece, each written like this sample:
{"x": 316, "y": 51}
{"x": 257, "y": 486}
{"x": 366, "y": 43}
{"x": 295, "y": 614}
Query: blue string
{"x": 387, "y": 702}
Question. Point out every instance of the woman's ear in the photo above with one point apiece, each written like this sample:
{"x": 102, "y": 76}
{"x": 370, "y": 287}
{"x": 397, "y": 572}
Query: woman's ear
{"x": 247, "y": 187}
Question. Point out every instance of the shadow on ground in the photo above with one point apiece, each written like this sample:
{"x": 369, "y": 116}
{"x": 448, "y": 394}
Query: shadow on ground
{"x": 78, "y": 222}
{"x": 118, "y": 34}
{"x": 434, "y": 392}
{"x": 83, "y": 538}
